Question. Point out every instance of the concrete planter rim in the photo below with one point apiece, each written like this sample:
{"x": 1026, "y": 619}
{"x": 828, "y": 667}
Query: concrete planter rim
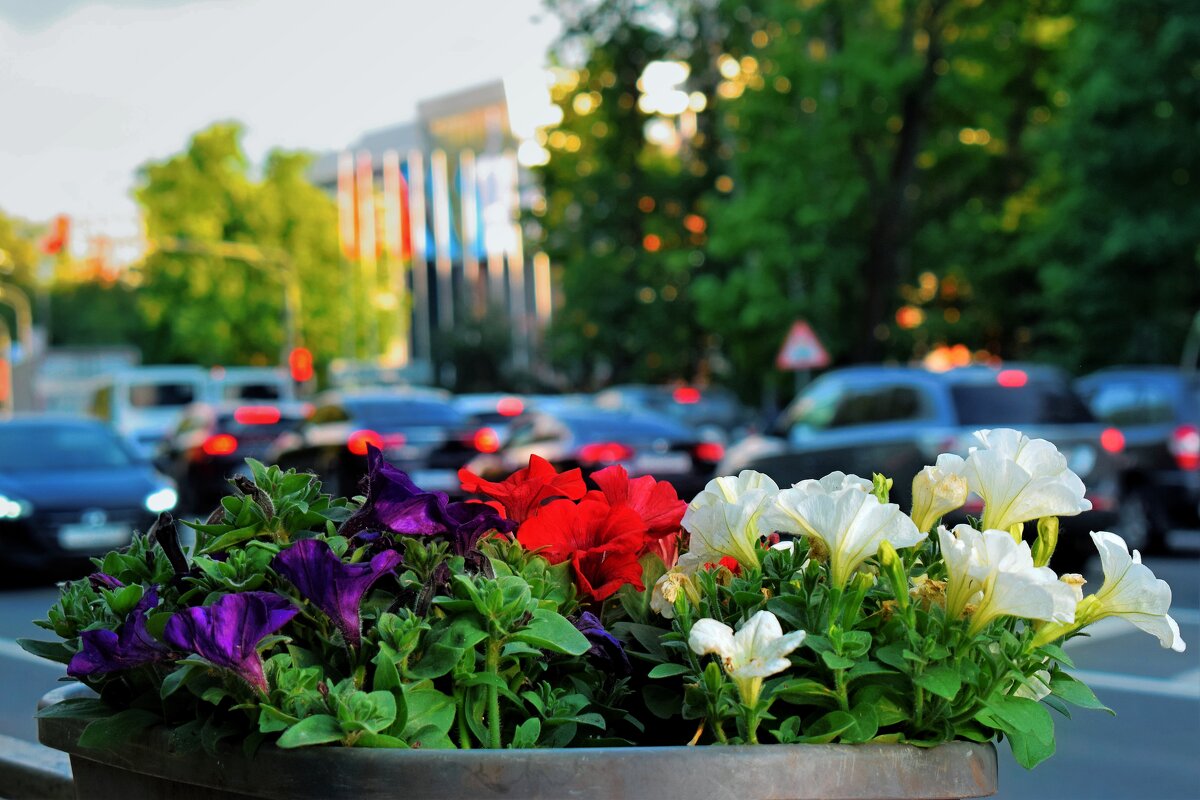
{"x": 798, "y": 772}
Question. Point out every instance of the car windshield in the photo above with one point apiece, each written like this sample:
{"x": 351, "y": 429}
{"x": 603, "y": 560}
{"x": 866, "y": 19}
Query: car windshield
{"x": 623, "y": 429}
{"x": 47, "y": 448}
{"x": 382, "y": 413}
{"x": 153, "y": 395}
{"x": 252, "y": 391}
{"x": 1032, "y": 404}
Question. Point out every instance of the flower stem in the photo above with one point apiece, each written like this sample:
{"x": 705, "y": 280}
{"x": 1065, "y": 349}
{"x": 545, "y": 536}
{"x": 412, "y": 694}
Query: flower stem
{"x": 493, "y": 694}
{"x": 464, "y": 736}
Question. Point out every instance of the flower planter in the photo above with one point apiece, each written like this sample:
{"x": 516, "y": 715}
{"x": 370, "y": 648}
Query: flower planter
{"x": 146, "y": 767}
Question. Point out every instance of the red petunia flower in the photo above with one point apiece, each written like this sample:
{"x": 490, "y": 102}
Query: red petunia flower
{"x": 601, "y": 542}
{"x": 728, "y": 562}
{"x": 523, "y": 492}
{"x": 655, "y": 501}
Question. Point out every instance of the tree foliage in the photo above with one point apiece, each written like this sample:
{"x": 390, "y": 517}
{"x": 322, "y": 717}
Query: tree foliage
{"x": 210, "y": 304}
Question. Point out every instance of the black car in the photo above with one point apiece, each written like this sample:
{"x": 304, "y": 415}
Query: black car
{"x": 212, "y": 442}
{"x": 71, "y": 488}
{"x": 1157, "y": 411}
{"x": 591, "y": 438}
{"x": 419, "y": 431}
{"x": 896, "y": 420}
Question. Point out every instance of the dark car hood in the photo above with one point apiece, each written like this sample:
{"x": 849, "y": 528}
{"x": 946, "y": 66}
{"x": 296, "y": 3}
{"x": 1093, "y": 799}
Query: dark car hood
{"x": 112, "y": 487}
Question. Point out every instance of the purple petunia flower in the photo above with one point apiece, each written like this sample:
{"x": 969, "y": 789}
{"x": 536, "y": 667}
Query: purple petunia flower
{"x": 101, "y": 580}
{"x": 396, "y": 505}
{"x": 605, "y": 649}
{"x": 130, "y": 646}
{"x": 228, "y": 632}
{"x": 332, "y": 585}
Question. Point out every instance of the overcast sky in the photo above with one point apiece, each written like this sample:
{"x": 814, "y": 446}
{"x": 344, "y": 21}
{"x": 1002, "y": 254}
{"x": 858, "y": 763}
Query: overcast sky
{"x": 90, "y": 90}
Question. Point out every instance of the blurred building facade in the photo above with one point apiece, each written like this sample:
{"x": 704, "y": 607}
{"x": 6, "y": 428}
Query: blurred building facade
{"x": 430, "y": 219}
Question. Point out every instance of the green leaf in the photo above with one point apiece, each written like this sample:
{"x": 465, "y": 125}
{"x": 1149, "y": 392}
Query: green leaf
{"x": 110, "y": 732}
{"x": 318, "y": 729}
{"x": 227, "y": 540}
{"x": 943, "y": 680}
{"x": 527, "y": 733}
{"x": 176, "y": 680}
{"x": 430, "y": 737}
{"x": 828, "y": 728}
{"x": 1027, "y": 724}
{"x": 866, "y": 724}
{"x": 1076, "y": 692}
{"x": 271, "y": 719}
{"x": 77, "y": 708}
{"x": 438, "y": 660}
{"x": 380, "y": 740}
{"x": 551, "y": 631}
{"x": 802, "y": 689}
{"x": 834, "y": 661}
{"x": 427, "y": 708}
{"x": 1058, "y": 654}
{"x": 669, "y": 670}
{"x": 865, "y": 668}
{"x": 52, "y": 651}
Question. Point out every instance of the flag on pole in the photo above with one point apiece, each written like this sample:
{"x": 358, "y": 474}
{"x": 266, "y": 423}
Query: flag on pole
{"x": 365, "y": 182}
{"x": 347, "y": 207}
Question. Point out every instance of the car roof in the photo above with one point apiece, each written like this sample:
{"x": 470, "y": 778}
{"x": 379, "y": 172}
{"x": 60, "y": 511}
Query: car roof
{"x": 584, "y": 415}
{"x": 39, "y": 420}
{"x": 388, "y": 394}
{"x": 958, "y": 375}
{"x": 1134, "y": 372}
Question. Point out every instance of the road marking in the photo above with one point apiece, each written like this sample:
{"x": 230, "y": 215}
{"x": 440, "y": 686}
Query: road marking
{"x": 1185, "y": 686}
{"x": 10, "y": 649}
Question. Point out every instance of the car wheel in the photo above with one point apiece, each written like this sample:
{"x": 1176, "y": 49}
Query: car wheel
{"x": 1136, "y": 522}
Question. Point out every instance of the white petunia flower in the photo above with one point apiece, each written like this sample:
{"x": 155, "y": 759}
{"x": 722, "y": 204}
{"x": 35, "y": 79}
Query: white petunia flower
{"x": 937, "y": 490}
{"x": 758, "y": 650}
{"x": 998, "y": 576}
{"x": 723, "y": 519}
{"x": 1021, "y": 479}
{"x": 833, "y": 482}
{"x": 1131, "y": 591}
{"x": 850, "y": 522}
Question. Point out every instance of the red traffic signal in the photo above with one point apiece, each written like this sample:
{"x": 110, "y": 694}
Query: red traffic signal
{"x": 56, "y": 239}
{"x": 300, "y": 363}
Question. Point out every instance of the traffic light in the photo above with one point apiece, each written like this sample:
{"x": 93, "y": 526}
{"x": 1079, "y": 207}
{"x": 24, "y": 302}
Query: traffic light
{"x": 300, "y": 362}
{"x": 56, "y": 239}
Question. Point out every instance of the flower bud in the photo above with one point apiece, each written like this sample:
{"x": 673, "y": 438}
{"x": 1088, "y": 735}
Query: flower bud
{"x": 881, "y": 487}
{"x": 936, "y": 492}
{"x": 1047, "y": 540}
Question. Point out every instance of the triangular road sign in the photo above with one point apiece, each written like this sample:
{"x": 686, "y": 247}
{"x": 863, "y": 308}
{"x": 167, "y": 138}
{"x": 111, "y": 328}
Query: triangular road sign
{"x": 801, "y": 349}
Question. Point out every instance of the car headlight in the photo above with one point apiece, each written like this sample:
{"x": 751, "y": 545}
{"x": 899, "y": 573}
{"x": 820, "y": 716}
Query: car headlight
{"x": 12, "y": 508}
{"x": 162, "y": 500}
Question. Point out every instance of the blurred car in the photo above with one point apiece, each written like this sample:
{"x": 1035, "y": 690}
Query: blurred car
{"x": 419, "y": 431}
{"x": 493, "y": 410}
{"x": 249, "y": 384}
{"x": 212, "y": 442}
{"x": 591, "y": 438}
{"x": 143, "y": 403}
{"x": 71, "y": 488}
{"x": 896, "y": 420}
{"x": 1157, "y": 411}
{"x": 709, "y": 408}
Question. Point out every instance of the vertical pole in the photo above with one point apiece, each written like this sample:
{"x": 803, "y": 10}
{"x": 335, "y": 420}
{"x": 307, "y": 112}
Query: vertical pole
{"x": 470, "y": 225}
{"x": 495, "y": 225}
{"x": 422, "y": 333}
{"x": 543, "y": 297}
{"x": 348, "y": 239}
{"x": 441, "y": 240}
{"x": 6, "y": 379}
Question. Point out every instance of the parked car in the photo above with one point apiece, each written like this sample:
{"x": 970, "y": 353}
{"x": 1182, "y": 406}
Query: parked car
{"x": 212, "y": 442}
{"x": 896, "y": 420}
{"x": 419, "y": 431}
{"x": 270, "y": 384}
{"x": 1157, "y": 411}
{"x": 143, "y": 403}
{"x": 710, "y": 408}
{"x": 494, "y": 410}
{"x": 71, "y": 488}
{"x": 590, "y": 438}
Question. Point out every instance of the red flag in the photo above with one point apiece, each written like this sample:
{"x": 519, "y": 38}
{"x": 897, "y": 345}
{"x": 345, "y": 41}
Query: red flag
{"x": 55, "y": 240}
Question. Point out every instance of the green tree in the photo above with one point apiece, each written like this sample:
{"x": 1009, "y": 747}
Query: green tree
{"x": 624, "y": 217}
{"x": 207, "y": 303}
{"x": 1119, "y": 235}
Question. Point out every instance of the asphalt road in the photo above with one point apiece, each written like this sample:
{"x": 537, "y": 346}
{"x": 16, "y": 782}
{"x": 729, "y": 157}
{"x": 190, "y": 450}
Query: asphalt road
{"x": 1149, "y": 750}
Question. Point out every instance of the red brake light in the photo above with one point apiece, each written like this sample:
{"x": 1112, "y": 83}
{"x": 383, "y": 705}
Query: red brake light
{"x": 486, "y": 440}
{"x": 1185, "y": 446}
{"x": 360, "y": 439}
{"x": 604, "y": 452}
{"x": 510, "y": 407}
{"x": 1112, "y": 440}
{"x": 256, "y": 415}
{"x": 710, "y": 451}
{"x": 223, "y": 444}
{"x": 687, "y": 395}
{"x": 1012, "y": 378}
